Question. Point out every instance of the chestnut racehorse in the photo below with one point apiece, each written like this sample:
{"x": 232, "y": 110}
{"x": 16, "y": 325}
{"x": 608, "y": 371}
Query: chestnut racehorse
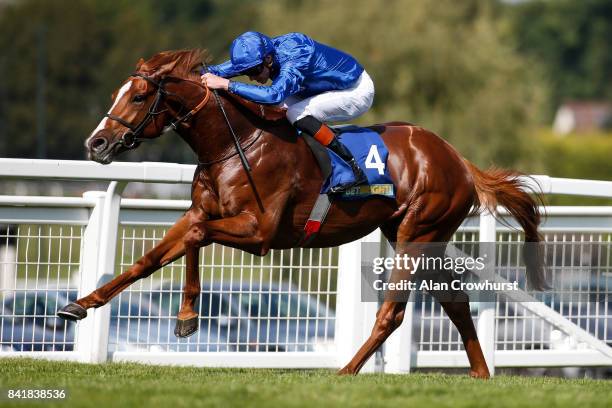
{"x": 268, "y": 207}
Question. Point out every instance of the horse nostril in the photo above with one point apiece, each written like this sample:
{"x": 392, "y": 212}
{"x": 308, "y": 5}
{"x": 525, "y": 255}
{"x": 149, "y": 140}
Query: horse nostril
{"x": 98, "y": 144}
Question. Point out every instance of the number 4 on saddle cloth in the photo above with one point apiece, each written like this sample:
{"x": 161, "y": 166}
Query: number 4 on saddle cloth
{"x": 370, "y": 153}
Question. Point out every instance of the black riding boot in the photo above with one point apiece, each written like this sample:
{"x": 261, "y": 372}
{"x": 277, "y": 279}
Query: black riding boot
{"x": 360, "y": 178}
{"x": 326, "y": 136}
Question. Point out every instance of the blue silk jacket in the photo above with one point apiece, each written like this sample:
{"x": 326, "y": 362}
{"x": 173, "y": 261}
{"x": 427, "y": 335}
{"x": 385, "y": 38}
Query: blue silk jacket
{"x": 302, "y": 67}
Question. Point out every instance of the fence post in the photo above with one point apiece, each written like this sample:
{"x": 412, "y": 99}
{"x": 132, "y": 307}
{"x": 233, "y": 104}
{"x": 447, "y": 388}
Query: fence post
{"x": 486, "y": 306}
{"x": 354, "y": 318}
{"x": 8, "y": 262}
{"x": 98, "y": 267}
{"x": 88, "y": 270}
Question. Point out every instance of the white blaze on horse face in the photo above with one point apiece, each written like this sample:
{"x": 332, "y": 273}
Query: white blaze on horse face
{"x": 122, "y": 91}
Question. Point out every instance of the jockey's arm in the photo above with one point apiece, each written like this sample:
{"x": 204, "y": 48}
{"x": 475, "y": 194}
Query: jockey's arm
{"x": 224, "y": 70}
{"x": 287, "y": 83}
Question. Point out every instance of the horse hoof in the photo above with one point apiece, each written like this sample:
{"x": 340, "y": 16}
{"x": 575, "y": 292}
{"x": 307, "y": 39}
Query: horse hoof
{"x": 483, "y": 375}
{"x": 72, "y": 311}
{"x": 345, "y": 371}
{"x": 185, "y": 328}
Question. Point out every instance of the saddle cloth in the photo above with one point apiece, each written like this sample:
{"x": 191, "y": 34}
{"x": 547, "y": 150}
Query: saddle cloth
{"x": 371, "y": 154}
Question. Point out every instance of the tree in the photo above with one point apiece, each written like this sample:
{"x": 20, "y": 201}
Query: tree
{"x": 570, "y": 40}
{"x": 449, "y": 66}
{"x": 446, "y": 65}
{"x": 91, "y": 47}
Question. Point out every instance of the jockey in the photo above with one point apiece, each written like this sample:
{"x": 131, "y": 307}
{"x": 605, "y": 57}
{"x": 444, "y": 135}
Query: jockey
{"x": 314, "y": 82}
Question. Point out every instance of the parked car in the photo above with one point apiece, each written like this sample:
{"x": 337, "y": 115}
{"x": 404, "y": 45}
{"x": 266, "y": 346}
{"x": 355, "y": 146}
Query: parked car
{"x": 29, "y": 323}
{"x": 256, "y": 317}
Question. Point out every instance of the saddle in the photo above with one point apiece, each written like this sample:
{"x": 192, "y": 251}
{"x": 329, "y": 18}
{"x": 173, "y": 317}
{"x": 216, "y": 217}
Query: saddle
{"x": 370, "y": 152}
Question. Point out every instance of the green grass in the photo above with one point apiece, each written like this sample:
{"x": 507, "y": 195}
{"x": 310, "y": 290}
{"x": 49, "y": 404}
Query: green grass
{"x": 123, "y": 385}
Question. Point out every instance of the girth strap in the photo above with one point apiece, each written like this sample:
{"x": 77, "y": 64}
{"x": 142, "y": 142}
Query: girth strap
{"x": 321, "y": 207}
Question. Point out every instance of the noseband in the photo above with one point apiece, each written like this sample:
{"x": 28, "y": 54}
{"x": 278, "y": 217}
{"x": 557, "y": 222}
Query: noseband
{"x": 133, "y": 137}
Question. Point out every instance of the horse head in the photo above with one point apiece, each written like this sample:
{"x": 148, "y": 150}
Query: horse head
{"x": 149, "y": 103}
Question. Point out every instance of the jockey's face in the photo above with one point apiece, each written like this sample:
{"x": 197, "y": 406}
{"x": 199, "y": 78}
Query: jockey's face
{"x": 261, "y": 73}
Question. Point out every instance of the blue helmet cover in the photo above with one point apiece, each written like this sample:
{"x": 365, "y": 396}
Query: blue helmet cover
{"x": 249, "y": 49}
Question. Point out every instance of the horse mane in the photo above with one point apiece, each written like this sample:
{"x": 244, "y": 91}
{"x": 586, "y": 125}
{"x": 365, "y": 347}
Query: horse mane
{"x": 189, "y": 64}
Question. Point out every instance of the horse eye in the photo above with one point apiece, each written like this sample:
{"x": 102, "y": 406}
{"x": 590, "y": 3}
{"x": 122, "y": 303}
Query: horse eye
{"x": 139, "y": 98}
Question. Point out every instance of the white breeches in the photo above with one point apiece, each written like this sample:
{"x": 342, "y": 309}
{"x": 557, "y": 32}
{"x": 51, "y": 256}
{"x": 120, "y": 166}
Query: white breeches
{"x": 333, "y": 106}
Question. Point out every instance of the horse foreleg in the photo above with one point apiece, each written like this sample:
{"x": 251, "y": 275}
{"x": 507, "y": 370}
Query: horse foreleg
{"x": 187, "y": 319}
{"x": 241, "y": 229}
{"x": 170, "y": 248}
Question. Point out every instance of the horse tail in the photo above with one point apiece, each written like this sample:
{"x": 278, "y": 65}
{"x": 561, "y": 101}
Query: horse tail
{"x": 504, "y": 187}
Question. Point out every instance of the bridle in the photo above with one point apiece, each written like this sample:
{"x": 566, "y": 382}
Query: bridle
{"x": 132, "y": 138}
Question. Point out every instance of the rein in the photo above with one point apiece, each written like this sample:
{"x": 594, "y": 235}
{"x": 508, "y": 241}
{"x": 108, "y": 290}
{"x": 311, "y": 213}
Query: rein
{"x": 239, "y": 151}
{"x": 229, "y": 156}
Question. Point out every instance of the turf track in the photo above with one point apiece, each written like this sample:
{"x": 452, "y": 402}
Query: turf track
{"x": 134, "y": 385}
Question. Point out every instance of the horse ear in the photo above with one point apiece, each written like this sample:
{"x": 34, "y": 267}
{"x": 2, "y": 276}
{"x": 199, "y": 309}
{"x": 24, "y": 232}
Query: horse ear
{"x": 139, "y": 64}
{"x": 165, "y": 69}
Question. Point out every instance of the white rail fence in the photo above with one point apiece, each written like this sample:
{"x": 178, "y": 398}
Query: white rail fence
{"x": 295, "y": 308}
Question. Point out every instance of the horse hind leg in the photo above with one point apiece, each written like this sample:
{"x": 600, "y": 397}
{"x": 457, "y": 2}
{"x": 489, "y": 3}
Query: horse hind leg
{"x": 419, "y": 225}
{"x": 459, "y": 313}
{"x": 391, "y": 314}
{"x": 457, "y": 306}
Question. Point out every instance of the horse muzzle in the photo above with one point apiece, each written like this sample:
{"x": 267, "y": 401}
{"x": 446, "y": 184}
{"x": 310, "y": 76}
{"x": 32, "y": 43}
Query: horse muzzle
{"x": 101, "y": 147}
